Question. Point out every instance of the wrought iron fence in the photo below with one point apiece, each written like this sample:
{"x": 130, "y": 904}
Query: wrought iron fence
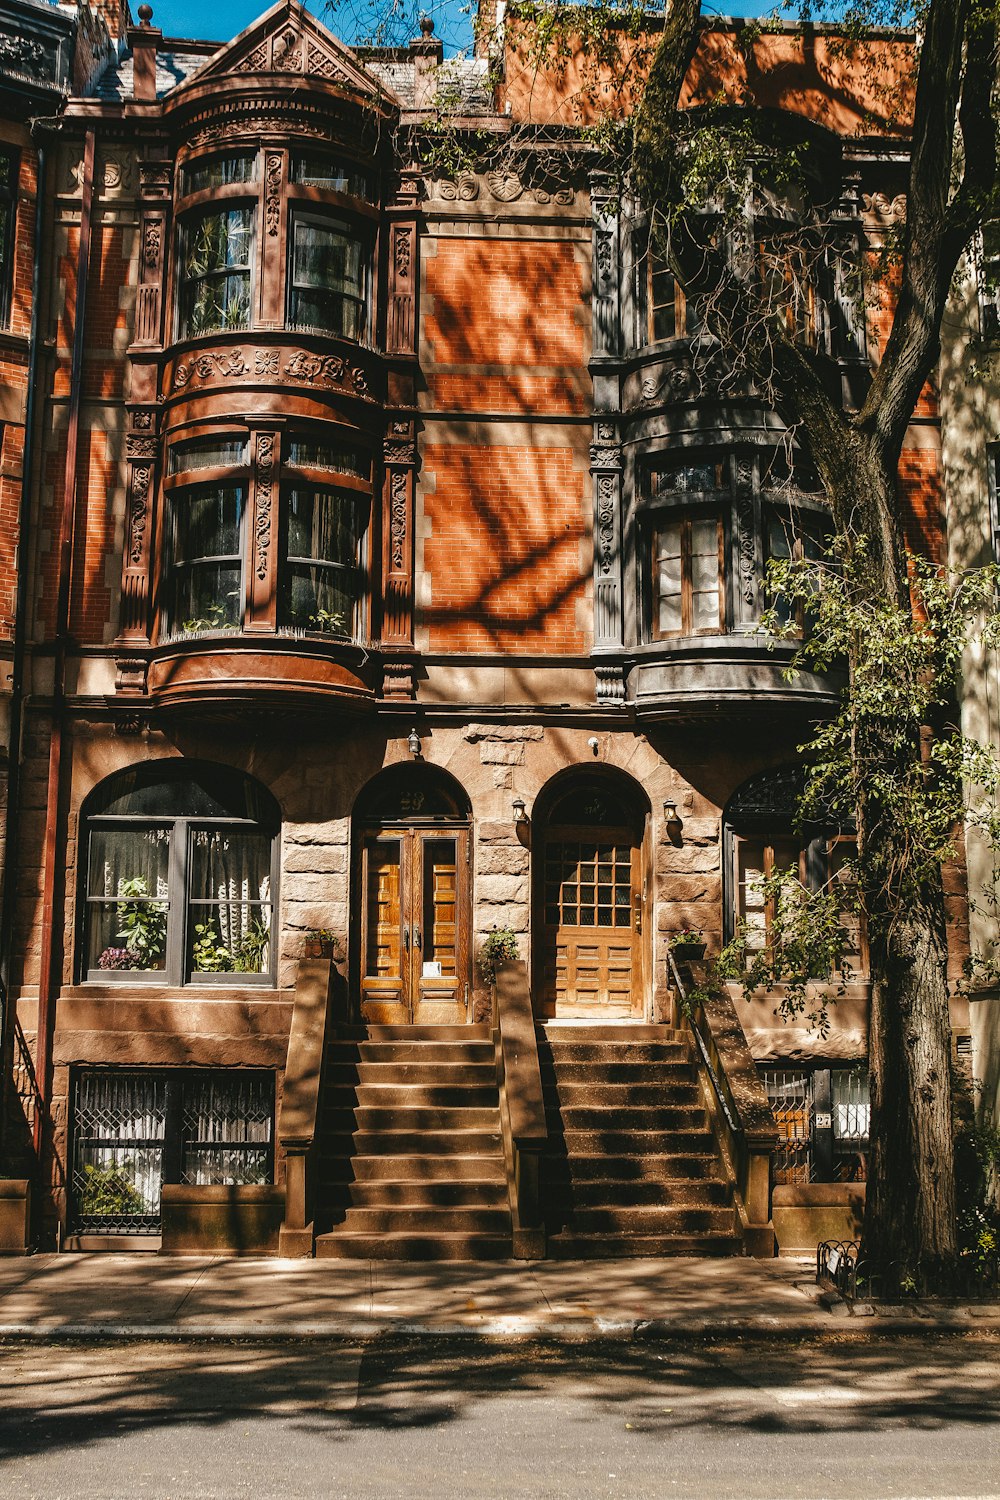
{"x": 133, "y": 1130}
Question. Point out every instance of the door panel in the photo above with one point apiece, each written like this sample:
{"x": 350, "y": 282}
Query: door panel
{"x": 592, "y": 924}
{"x": 415, "y": 926}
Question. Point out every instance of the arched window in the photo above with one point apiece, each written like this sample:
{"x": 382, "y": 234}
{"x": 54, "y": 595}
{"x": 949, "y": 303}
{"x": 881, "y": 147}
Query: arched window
{"x": 760, "y": 838}
{"x": 178, "y": 877}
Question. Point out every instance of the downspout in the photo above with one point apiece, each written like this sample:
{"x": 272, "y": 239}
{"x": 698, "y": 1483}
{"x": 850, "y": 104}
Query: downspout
{"x": 11, "y": 822}
{"x": 51, "y": 955}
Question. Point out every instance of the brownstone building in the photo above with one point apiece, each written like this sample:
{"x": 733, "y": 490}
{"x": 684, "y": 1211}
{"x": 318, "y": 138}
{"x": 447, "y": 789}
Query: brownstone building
{"x": 380, "y": 570}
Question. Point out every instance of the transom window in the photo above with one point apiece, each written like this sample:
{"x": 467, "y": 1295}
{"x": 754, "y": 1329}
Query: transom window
{"x": 179, "y": 878}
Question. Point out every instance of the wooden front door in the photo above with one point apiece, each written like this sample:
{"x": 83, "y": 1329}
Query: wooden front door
{"x": 592, "y": 910}
{"x": 414, "y": 924}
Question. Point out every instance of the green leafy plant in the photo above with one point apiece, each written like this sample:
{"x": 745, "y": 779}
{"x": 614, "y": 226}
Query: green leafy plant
{"x": 688, "y": 937}
{"x": 328, "y": 621}
{"x": 323, "y": 942}
{"x": 214, "y": 618}
{"x": 499, "y": 947}
{"x": 250, "y": 953}
{"x": 107, "y": 1192}
{"x": 142, "y": 923}
{"x": 208, "y": 954}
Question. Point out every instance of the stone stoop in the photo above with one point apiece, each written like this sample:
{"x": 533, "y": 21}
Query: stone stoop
{"x": 411, "y": 1155}
{"x": 632, "y": 1167}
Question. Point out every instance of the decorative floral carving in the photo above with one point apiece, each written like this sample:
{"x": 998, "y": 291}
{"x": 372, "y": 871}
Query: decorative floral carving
{"x": 330, "y": 369}
{"x": 142, "y": 421}
{"x": 744, "y": 518}
{"x": 397, "y": 519}
{"x": 138, "y": 510}
{"x": 505, "y": 186}
{"x": 265, "y": 362}
{"x": 605, "y": 432}
{"x": 604, "y": 258}
{"x": 605, "y": 458}
{"x": 398, "y": 453}
{"x": 248, "y": 125}
{"x": 322, "y": 65}
{"x": 287, "y": 53}
{"x": 463, "y": 188}
{"x": 20, "y": 55}
{"x": 606, "y": 519}
{"x": 262, "y": 513}
{"x": 254, "y": 62}
{"x": 140, "y": 446}
{"x": 272, "y": 192}
{"x": 151, "y": 238}
{"x": 155, "y": 179}
{"x": 403, "y": 253}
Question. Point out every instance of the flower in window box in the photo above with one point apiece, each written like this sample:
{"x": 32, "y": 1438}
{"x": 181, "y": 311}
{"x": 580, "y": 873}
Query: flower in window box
{"x": 688, "y": 945}
{"x": 116, "y": 958}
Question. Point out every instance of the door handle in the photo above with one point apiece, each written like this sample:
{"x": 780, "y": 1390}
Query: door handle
{"x": 416, "y": 934}
{"x": 637, "y": 902}
{"x": 406, "y": 936}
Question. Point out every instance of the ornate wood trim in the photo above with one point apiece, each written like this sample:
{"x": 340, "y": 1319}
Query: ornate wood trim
{"x": 399, "y": 453}
{"x": 141, "y": 450}
{"x": 262, "y": 533}
{"x": 402, "y": 322}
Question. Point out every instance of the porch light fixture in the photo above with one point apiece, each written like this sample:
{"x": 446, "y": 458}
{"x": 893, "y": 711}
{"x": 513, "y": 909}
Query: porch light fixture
{"x": 520, "y": 816}
{"x": 671, "y": 816}
{"x": 413, "y": 743}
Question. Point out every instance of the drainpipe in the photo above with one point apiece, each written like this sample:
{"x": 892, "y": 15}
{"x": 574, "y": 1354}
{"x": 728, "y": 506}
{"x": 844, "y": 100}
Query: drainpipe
{"x": 52, "y": 907}
{"x": 9, "y": 905}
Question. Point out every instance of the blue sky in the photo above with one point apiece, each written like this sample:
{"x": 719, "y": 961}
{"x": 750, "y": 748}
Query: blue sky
{"x": 225, "y": 18}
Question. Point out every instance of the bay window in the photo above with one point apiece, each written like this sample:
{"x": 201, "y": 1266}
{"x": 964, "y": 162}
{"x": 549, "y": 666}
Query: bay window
{"x": 178, "y": 878}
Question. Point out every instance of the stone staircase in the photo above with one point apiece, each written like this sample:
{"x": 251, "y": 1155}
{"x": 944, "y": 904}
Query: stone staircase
{"x": 411, "y": 1163}
{"x": 632, "y": 1167}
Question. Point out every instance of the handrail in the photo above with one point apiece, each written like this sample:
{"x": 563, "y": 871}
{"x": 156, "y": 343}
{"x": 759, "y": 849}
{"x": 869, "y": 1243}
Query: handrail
{"x": 308, "y": 1038}
{"x": 522, "y": 1105}
{"x": 745, "y": 1124}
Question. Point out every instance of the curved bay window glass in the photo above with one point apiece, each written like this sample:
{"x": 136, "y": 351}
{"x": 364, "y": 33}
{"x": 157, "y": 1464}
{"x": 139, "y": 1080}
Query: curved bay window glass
{"x": 321, "y": 539}
{"x": 219, "y": 171}
{"x": 215, "y": 270}
{"x": 179, "y": 878}
{"x": 327, "y": 277}
{"x": 206, "y": 570}
{"x": 312, "y": 169}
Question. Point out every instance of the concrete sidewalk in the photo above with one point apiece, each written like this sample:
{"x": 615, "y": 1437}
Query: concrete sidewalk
{"x": 157, "y": 1296}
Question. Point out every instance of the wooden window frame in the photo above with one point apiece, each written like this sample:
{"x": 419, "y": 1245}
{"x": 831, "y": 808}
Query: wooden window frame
{"x": 310, "y": 213}
{"x": 685, "y": 519}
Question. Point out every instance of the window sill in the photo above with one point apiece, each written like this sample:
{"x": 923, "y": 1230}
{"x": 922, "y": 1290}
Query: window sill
{"x": 239, "y": 669}
{"x": 705, "y": 674}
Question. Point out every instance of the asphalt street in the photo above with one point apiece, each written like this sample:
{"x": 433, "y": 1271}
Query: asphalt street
{"x": 906, "y": 1417}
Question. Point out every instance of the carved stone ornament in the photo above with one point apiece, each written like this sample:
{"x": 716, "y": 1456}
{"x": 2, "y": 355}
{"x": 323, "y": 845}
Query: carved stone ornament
{"x": 138, "y": 513}
{"x": 745, "y": 529}
{"x": 131, "y": 678}
{"x": 605, "y": 458}
{"x": 604, "y": 257}
{"x": 248, "y": 126}
{"x": 606, "y": 432}
{"x": 155, "y": 178}
{"x": 142, "y": 421}
{"x": 254, "y": 62}
{"x": 139, "y": 445}
{"x": 397, "y": 520}
{"x": 240, "y": 364}
{"x": 888, "y": 210}
{"x": 263, "y": 504}
{"x": 606, "y": 488}
{"x": 505, "y": 187}
{"x": 272, "y": 192}
{"x": 398, "y": 453}
{"x": 464, "y": 188}
{"x": 18, "y": 54}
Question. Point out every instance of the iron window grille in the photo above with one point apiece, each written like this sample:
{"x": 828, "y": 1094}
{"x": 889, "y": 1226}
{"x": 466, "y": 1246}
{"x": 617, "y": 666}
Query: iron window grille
{"x": 822, "y": 1115}
{"x": 134, "y": 1130}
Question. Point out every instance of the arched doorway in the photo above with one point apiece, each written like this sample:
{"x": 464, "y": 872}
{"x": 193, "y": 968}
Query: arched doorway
{"x": 590, "y": 908}
{"x": 411, "y": 898}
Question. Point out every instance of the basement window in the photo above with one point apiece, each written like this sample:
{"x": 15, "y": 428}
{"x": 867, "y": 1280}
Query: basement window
{"x": 823, "y": 1119}
{"x": 134, "y": 1130}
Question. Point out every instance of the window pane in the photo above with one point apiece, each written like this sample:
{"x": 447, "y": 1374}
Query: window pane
{"x": 384, "y": 946}
{"x": 439, "y": 890}
{"x": 127, "y": 925}
{"x": 314, "y": 170}
{"x": 207, "y": 593}
{"x": 319, "y": 598}
{"x": 215, "y": 271}
{"x": 218, "y": 171}
{"x": 207, "y": 522}
{"x": 119, "y": 1126}
{"x": 226, "y": 1126}
{"x": 230, "y": 894}
{"x": 208, "y": 596}
{"x": 204, "y": 792}
{"x": 327, "y": 278}
{"x": 668, "y": 579}
{"x": 207, "y": 453}
{"x": 316, "y": 454}
{"x": 662, "y": 298}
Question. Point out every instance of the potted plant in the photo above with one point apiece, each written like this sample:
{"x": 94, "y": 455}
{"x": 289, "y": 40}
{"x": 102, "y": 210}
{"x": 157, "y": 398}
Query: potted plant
{"x": 320, "y": 942}
{"x": 499, "y": 947}
{"x": 688, "y": 945}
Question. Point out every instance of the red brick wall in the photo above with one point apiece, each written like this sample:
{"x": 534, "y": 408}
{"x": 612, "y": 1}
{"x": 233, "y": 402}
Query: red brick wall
{"x": 520, "y": 312}
{"x": 504, "y": 554}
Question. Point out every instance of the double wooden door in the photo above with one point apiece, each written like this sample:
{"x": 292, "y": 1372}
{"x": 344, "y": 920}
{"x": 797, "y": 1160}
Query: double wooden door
{"x": 415, "y": 926}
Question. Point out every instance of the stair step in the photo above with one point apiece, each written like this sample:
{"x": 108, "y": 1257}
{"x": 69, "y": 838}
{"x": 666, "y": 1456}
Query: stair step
{"x": 612, "y": 1193}
{"x": 652, "y": 1168}
{"x": 611, "y": 1031}
{"x": 413, "y": 1168}
{"x": 638, "y": 1118}
{"x": 571, "y": 1246}
{"x": 665, "y": 1218}
{"x": 426, "y": 1074}
{"x": 618, "y": 1096}
{"x": 414, "y": 1035}
{"x": 402, "y": 1192}
{"x": 402, "y": 1142}
{"x": 397, "y": 1053}
{"x": 618, "y": 1142}
{"x": 344, "y": 1245}
{"x": 663, "y": 1074}
{"x": 419, "y": 1118}
{"x": 434, "y": 1220}
{"x": 457, "y": 1095}
{"x": 602, "y": 1054}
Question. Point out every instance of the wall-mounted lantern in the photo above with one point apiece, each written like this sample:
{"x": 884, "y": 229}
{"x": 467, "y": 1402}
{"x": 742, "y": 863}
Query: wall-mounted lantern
{"x": 520, "y": 816}
{"x": 671, "y": 816}
{"x": 413, "y": 743}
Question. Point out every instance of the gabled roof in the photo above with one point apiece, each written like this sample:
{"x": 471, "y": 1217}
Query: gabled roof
{"x": 286, "y": 40}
